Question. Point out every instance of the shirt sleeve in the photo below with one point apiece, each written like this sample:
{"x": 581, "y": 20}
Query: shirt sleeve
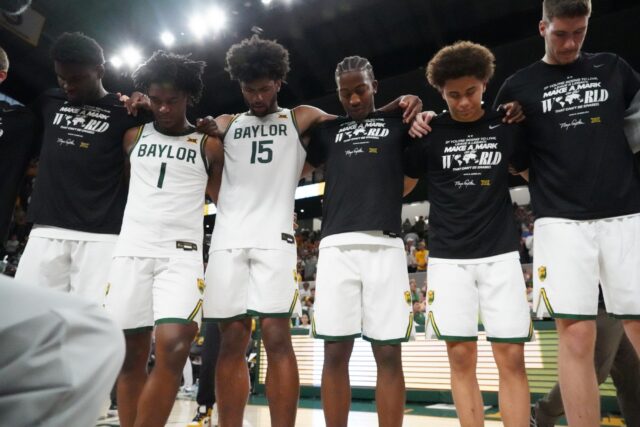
{"x": 415, "y": 158}
{"x": 520, "y": 153}
{"x": 316, "y": 150}
{"x": 37, "y": 109}
{"x": 630, "y": 81}
{"x": 504, "y": 94}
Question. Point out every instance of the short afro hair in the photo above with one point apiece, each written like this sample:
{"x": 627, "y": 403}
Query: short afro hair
{"x": 461, "y": 59}
{"x": 256, "y": 58}
{"x": 180, "y": 71}
{"x": 76, "y": 48}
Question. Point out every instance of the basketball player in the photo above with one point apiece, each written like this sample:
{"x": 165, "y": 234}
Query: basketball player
{"x": 79, "y": 197}
{"x": 473, "y": 259}
{"x": 81, "y": 190}
{"x": 585, "y": 190}
{"x": 252, "y": 262}
{"x": 17, "y": 142}
{"x": 156, "y": 276}
{"x": 362, "y": 285}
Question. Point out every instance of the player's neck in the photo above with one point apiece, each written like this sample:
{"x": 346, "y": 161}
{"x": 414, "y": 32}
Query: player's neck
{"x": 274, "y": 108}
{"x": 551, "y": 60}
{"x": 97, "y": 94}
{"x": 176, "y": 129}
{"x": 469, "y": 119}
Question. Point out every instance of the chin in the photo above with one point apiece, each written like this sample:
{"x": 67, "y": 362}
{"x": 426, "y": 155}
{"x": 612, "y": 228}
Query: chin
{"x": 75, "y": 100}
{"x": 567, "y": 58}
{"x": 358, "y": 117}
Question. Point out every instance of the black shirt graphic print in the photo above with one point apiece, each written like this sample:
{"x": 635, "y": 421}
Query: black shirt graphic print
{"x": 363, "y": 172}
{"x": 466, "y": 167}
{"x": 81, "y": 183}
{"x": 581, "y": 164}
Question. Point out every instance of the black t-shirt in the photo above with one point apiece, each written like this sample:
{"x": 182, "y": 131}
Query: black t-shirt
{"x": 81, "y": 183}
{"x": 17, "y": 145}
{"x": 363, "y": 172}
{"x": 581, "y": 163}
{"x": 466, "y": 166}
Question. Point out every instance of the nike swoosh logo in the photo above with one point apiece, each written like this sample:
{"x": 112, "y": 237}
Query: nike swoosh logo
{"x": 598, "y": 65}
{"x": 494, "y": 126}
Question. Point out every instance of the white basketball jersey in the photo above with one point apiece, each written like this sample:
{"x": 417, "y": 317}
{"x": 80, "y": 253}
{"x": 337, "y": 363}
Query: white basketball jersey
{"x": 165, "y": 208}
{"x": 263, "y": 159}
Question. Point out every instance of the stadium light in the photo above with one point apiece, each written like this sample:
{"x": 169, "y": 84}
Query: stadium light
{"x": 266, "y": 2}
{"x": 167, "y": 38}
{"x": 217, "y": 19}
{"x": 116, "y": 61}
{"x": 131, "y": 56}
{"x": 198, "y": 26}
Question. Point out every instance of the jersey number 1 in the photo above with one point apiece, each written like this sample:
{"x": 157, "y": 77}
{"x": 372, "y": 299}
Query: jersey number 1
{"x": 163, "y": 170}
{"x": 261, "y": 151}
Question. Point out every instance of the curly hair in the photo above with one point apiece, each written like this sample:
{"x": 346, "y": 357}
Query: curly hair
{"x": 354, "y": 63}
{"x": 76, "y": 48}
{"x": 460, "y": 59}
{"x": 565, "y": 9}
{"x": 179, "y": 71}
{"x": 256, "y": 58}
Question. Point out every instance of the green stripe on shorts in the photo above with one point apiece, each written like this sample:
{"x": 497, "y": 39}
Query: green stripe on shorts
{"x": 385, "y": 342}
{"x": 337, "y": 337}
{"x": 226, "y": 319}
{"x": 296, "y": 295}
{"x": 261, "y": 314}
{"x": 574, "y": 316}
{"x": 195, "y": 310}
{"x": 173, "y": 320}
{"x": 625, "y": 316}
{"x": 137, "y": 330}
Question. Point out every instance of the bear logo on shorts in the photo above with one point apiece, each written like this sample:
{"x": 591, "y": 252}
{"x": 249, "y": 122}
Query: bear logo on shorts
{"x": 106, "y": 290}
{"x": 201, "y": 285}
{"x": 542, "y": 273}
{"x": 431, "y": 296}
{"x": 407, "y": 297}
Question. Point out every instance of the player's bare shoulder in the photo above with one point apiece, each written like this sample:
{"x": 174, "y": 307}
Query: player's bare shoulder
{"x": 224, "y": 121}
{"x": 308, "y": 116}
{"x": 130, "y": 138}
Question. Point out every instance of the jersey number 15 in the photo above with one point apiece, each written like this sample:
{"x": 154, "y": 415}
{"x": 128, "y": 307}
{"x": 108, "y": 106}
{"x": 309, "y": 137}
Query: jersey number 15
{"x": 261, "y": 151}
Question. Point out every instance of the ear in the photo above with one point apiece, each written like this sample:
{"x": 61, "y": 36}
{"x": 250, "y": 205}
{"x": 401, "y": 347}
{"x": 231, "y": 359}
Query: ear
{"x": 374, "y": 85}
{"x": 278, "y": 84}
{"x": 3, "y": 76}
{"x": 484, "y": 87}
{"x": 542, "y": 27}
{"x": 100, "y": 71}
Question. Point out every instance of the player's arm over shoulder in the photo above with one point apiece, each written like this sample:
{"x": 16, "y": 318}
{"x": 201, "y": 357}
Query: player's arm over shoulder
{"x": 214, "y": 152}
{"x": 308, "y": 116}
{"x": 223, "y": 122}
{"x": 130, "y": 138}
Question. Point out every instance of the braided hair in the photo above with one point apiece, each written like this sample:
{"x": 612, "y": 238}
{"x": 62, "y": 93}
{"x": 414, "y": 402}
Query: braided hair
{"x": 354, "y": 63}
